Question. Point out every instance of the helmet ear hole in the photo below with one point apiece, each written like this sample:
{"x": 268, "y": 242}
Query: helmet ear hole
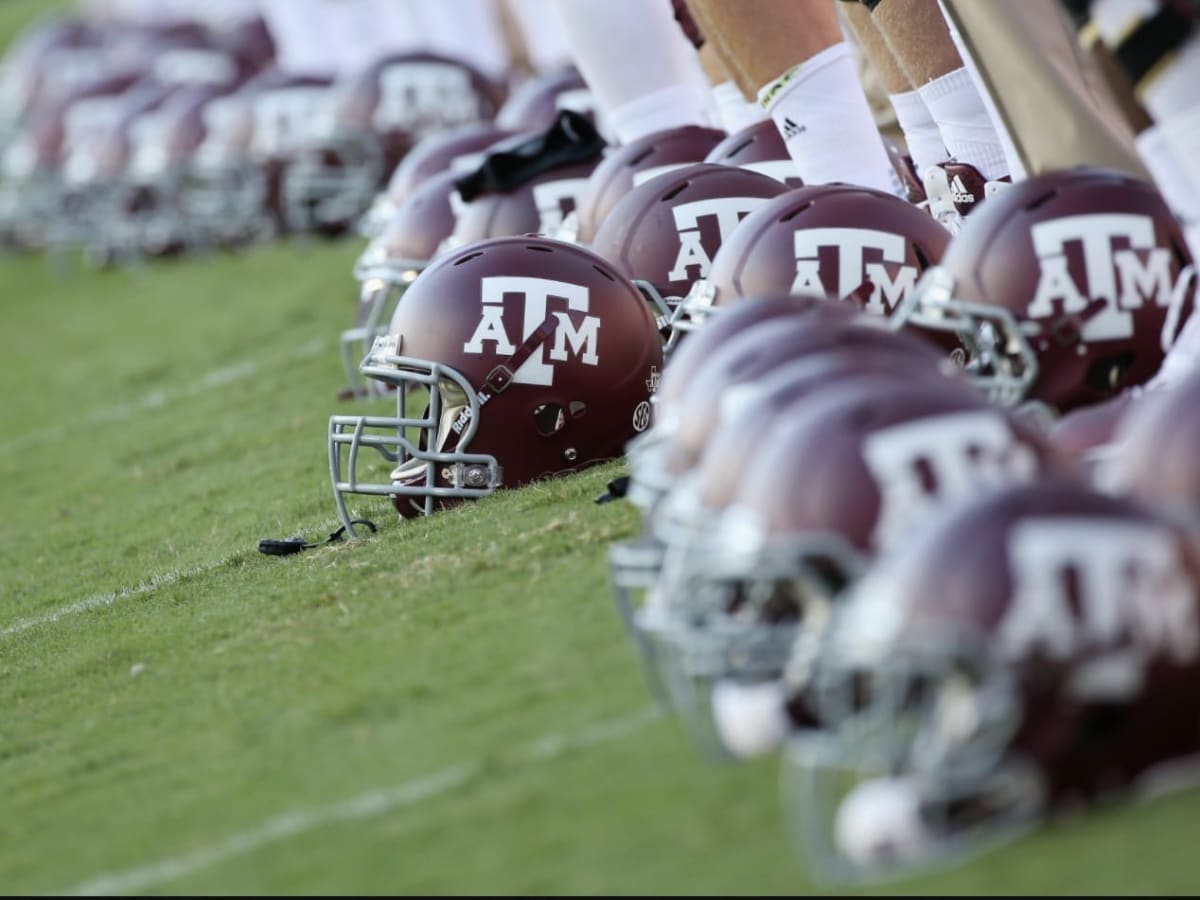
{"x": 1108, "y": 374}
{"x": 549, "y": 419}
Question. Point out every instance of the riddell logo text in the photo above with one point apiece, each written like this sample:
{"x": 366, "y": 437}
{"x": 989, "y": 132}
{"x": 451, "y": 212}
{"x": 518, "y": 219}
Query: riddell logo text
{"x": 581, "y": 341}
{"x": 1125, "y": 278}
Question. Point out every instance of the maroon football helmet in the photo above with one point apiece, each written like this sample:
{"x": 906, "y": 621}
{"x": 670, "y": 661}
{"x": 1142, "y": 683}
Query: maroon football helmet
{"x": 854, "y": 469}
{"x": 689, "y": 409}
{"x": 1031, "y": 651}
{"x": 629, "y": 165}
{"x": 848, "y": 242}
{"x": 231, "y": 187}
{"x": 392, "y": 260}
{"x": 664, "y": 233}
{"x": 33, "y": 190}
{"x": 752, "y": 355}
{"x": 692, "y": 357}
{"x": 747, "y": 413}
{"x": 162, "y": 145}
{"x": 457, "y": 149}
{"x": 537, "y": 359}
{"x": 759, "y": 148}
{"x": 1059, "y": 287}
{"x": 374, "y": 117}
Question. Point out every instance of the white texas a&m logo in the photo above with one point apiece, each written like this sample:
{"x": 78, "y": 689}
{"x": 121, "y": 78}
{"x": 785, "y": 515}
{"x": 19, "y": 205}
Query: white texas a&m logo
{"x": 1130, "y": 591}
{"x": 554, "y": 199}
{"x": 418, "y": 96}
{"x": 535, "y": 293}
{"x": 725, "y": 211}
{"x": 853, "y": 268}
{"x": 1120, "y": 277}
{"x": 919, "y": 465}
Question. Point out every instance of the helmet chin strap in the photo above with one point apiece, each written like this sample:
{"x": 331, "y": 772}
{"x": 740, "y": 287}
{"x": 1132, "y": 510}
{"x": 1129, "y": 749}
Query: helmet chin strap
{"x": 499, "y": 379}
{"x": 288, "y": 546}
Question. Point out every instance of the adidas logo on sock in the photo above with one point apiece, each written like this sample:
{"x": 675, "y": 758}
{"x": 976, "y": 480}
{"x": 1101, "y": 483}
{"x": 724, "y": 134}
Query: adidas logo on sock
{"x": 959, "y": 192}
{"x": 791, "y": 129}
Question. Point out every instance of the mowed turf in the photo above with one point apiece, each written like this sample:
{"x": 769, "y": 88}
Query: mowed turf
{"x": 450, "y": 706}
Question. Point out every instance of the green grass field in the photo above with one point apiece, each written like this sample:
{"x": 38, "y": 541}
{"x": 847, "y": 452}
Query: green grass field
{"x": 450, "y": 706}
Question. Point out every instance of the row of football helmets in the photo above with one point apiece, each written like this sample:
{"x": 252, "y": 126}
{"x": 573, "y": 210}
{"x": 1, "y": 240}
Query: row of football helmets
{"x": 918, "y": 504}
{"x": 129, "y": 138}
{"x": 917, "y": 493}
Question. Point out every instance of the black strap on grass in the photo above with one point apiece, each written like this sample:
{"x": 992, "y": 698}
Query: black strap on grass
{"x": 617, "y": 488}
{"x": 288, "y": 546}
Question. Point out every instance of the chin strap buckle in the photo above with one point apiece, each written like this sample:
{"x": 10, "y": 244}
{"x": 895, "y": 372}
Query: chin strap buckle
{"x": 292, "y": 545}
{"x": 617, "y": 489}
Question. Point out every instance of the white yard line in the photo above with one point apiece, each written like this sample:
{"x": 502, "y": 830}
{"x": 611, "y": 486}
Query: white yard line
{"x": 210, "y": 381}
{"x": 366, "y": 805}
{"x": 153, "y": 583}
{"x": 100, "y": 601}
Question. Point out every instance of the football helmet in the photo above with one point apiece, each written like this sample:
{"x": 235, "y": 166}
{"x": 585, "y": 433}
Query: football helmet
{"x": 747, "y": 413}
{"x": 95, "y": 153}
{"x": 669, "y": 400}
{"x": 953, "y": 190}
{"x": 33, "y": 194}
{"x": 1060, "y": 287}
{"x": 855, "y": 468}
{"x": 1029, "y": 652}
{"x": 536, "y": 359}
{"x": 161, "y": 146}
{"x": 759, "y": 148}
{"x": 458, "y": 149}
{"x": 683, "y": 423}
{"x": 391, "y": 262}
{"x": 373, "y": 118}
{"x": 231, "y": 187}
{"x": 848, "y": 242}
{"x": 629, "y": 165}
{"x": 664, "y": 233}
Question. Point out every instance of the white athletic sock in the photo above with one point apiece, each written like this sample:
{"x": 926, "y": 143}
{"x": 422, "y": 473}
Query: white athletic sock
{"x": 822, "y": 112}
{"x": 1012, "y": 158}
{"x": 668, "y": 107}
{"x": 1154, "y": 147}
{"x": 1182, "y": 136}
{"x": 963, "y": 121}
{"x": 921, "y": 133}
{"x": 542, "y": 34}
{"x": 645, "y": 75}
{"x": 735, "y": 110}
